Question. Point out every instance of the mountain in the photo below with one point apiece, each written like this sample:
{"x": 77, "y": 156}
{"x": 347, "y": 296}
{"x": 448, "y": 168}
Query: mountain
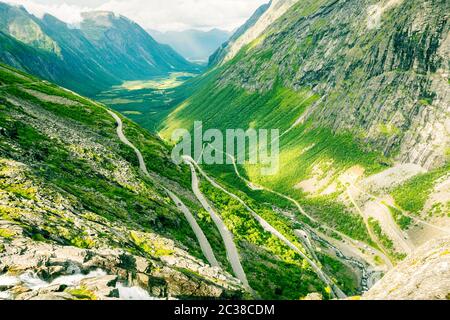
{"x": 221, "y": 52}
{"x": 359, "y": 92}
{"x": 70, "y": 61}
{"x": 127, "y": 50}
{"x": 101, "y": 53}
{"x": 93, "y": 207}
{"x": 194, "y": 45}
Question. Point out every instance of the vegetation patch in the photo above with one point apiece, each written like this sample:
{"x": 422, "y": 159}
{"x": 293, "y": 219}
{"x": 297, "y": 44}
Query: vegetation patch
{"x": 387, "y": 243}
{"x": 82, "y": 293}
{"x": 413, "y": 194}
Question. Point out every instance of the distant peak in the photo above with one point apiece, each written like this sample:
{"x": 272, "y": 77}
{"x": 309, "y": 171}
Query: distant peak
{"x": 98, "y": 14}
{"x": 102, "y": 15}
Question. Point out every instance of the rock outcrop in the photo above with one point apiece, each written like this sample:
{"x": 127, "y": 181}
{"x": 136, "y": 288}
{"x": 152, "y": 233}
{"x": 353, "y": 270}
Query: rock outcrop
{"x": 77, "y": 219}
{"x": 42, "y": 271}
{"x": 425, "y": 275}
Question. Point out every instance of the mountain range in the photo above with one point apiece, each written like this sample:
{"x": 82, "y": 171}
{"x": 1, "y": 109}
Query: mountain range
{"x": 105, "y": 50}
{"x": 360, "y": 206}
{"x": 194, "y": 45}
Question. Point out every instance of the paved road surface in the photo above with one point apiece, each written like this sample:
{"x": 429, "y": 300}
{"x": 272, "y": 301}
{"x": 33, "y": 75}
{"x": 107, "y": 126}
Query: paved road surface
{"x": 227, "y": 236}
{"x": 267, "y": 227}
{"x": 203, "y": 241}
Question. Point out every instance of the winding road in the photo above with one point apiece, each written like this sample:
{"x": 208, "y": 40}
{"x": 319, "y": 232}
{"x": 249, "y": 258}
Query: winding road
{"x": 227, "y": 236}
{"x": 348, "y": 240}
{"x": 268, "y": 228}
{"x": 416, "y": 219}
{"x": 202, "y": 240}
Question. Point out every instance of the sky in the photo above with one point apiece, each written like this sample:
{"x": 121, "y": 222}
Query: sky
{"x": 162, "y": 15}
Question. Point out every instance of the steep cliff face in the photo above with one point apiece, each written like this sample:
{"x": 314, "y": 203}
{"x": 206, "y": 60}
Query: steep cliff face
{"x": 425, "y": 275}
{"x": 268, "y": 15}
{"x": 387, "y": 81}
{"x": 218, "y": 56}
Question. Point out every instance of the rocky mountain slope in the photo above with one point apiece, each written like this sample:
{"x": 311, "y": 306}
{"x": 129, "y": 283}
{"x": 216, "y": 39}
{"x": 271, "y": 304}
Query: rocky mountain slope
{"x": 360, "y": 93}
{"x": 351, "y": 65}
{"x": 256, "y": 25}
{"x": 105, "y": 50}
{"x": 92, "y": 206}
{"x": 423, "y": 276}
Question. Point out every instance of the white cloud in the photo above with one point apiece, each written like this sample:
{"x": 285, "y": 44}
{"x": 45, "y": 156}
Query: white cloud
{"x": 157, "y": 14}
{"x": 66, "y": 12}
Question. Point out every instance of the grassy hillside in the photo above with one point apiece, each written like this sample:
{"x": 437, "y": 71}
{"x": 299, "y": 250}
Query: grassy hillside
{"x": 89, "y": 59}
{"x": 67, "y": 180}
{"x": 67, "y": 183}
{"x": 347, "y": 96}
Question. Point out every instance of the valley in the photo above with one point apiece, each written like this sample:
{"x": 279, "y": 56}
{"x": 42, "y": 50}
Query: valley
{"x": 147, "y": 101}
{"x": 360, "y": 205}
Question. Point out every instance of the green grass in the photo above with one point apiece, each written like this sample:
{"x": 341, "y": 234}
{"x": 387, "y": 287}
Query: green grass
{"x": 307, "y": 146}
{"x": 230, "y": 107}
{"x": 82, "y": 293}
{"x": 413, "y": 194}
{"x": 345, "y": 277}
{"x": 226, "y": 106}
{"x": 7, "y": 234}
{"x": 387, "y": 243}
{"x": 403, "y": 221}
{"x": 334, "y": 214}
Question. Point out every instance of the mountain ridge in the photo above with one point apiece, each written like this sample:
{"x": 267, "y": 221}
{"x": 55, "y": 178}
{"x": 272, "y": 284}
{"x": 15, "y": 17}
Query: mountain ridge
{"x": 91, "y": 58}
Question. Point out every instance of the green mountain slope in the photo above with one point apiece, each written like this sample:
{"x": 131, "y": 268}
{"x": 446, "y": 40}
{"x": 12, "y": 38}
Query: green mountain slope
{"x": 359, "y": 91}
{"x": 69, "y": 186}
{"x": 88, "y": 60}
{"x": 67, "y": 182}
